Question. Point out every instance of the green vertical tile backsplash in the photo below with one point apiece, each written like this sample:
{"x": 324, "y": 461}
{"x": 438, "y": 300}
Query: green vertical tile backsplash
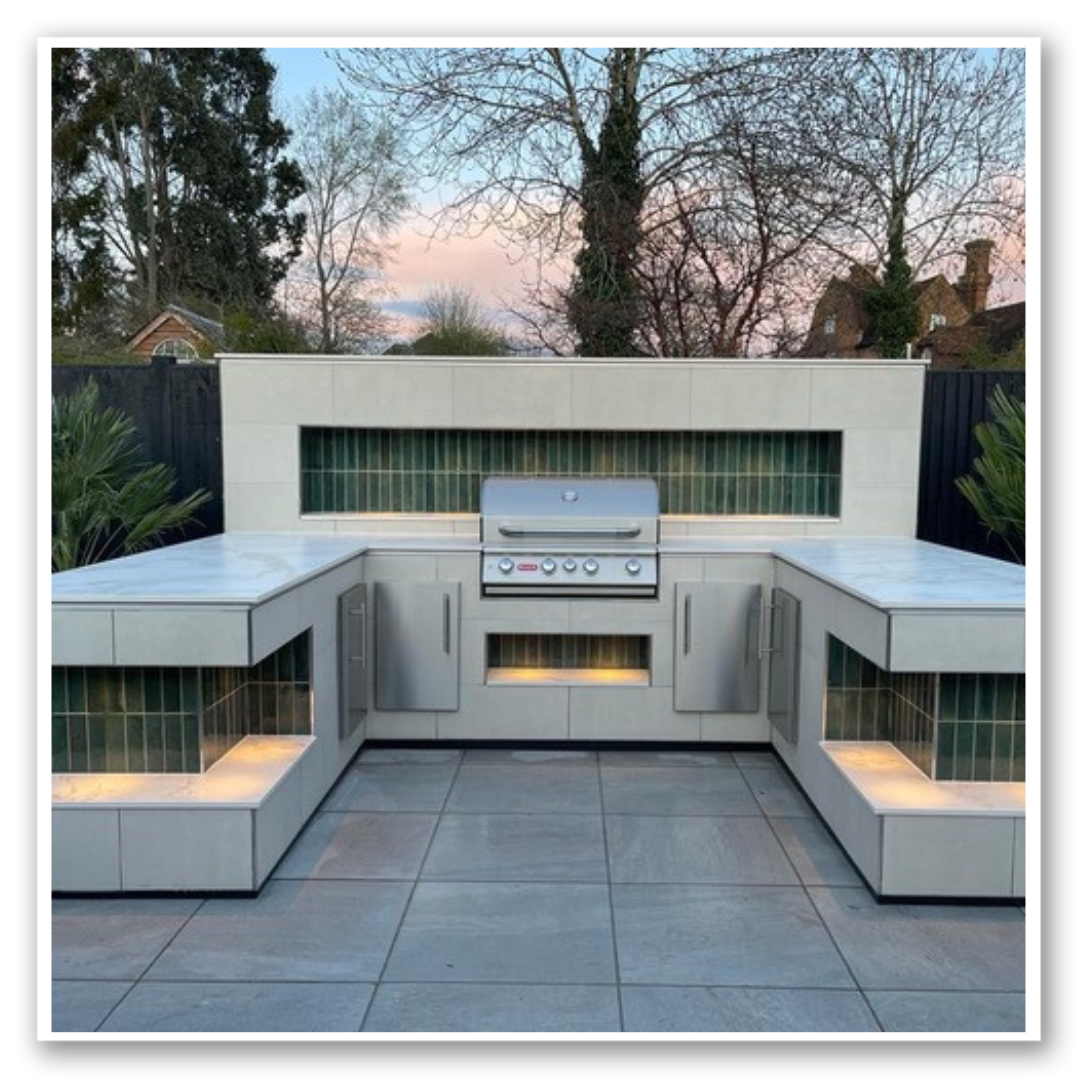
{"x": 953, "y": 726}
{"x": 156, "y": 720}
{"x": 787, "y": 473}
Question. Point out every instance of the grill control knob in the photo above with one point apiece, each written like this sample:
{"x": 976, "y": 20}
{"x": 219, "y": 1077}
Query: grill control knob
{"x": 633, "y": 567}
{"x": 590, "y": 566}
{"x": 569, "y": 566}
{"x": 549, "y": 566}
{"x": 506, "y": 565}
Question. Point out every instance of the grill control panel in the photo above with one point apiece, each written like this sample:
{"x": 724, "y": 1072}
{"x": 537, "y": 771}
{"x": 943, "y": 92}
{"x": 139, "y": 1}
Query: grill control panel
{"x": 569, "y": 574}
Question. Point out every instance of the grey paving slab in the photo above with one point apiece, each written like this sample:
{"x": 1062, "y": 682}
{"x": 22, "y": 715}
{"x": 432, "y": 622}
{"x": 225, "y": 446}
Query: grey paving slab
{"x": 660, "y": 790}
{"x": 776, "y": 793}
{"x": 465, "y": 1007}
{"x": 482, "y": 755}
{"x": 265, "y": 1007}
{"x": 525, "y": 789}
{"x": 924, "y": 946}
{"x": 754, "y": 759}
{"x": 386, "y": 786}
{"x": 306, "y": 931}
{"x": 83, "y": 1006}
{"x": 360, "y": 846}
{"x": 518, "y": 847}
{"x": 743, "y": 1009}
{"x": 504, "y": 932}
{"x": 241, "y": 1007}
{"x": 709, "y": 850}
{"x": 816, "y": 856}
{"x": 666, "y": 758}
{"x": 948, "y": 1011}
{"x": 113, "y": 939}
{"x": 723, "y": 935}
{"x": 409, "y": 755}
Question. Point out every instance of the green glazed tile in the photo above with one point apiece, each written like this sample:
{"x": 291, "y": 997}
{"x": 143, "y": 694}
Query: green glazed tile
{"x": 965, "y": 708}
{"x": 61, "y": 750}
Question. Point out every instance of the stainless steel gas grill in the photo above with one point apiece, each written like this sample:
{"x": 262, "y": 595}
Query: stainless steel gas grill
{"x": 569, "y": 536}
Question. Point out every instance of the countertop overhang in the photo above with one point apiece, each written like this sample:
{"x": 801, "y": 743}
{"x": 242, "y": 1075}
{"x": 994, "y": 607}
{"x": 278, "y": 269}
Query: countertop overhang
{"x": 248, "y": 569}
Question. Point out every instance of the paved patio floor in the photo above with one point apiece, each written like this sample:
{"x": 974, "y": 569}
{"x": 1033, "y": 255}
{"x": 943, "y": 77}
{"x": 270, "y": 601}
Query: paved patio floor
{"x": 483, "y": 890}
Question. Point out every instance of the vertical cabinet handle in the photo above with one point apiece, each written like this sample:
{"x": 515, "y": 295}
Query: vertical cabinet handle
{"x": 446, "y": 624}
{"x": 687, "y": 625}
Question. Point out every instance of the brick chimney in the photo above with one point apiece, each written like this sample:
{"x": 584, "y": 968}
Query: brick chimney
{"x": 862, "y": 276}
{"x": 974, "y": 283}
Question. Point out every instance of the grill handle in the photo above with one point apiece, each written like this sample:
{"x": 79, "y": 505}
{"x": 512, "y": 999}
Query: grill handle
{"x": 612, "y": 533}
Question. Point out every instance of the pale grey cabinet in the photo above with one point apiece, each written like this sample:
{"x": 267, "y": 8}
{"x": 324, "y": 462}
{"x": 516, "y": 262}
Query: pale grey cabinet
{"x": 417, "y": 650}
{"x": 717, "y": 646}
{"x": 353, "y": 657}
{"x": 783, "y": 695}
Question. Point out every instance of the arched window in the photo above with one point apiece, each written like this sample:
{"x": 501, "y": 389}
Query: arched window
{"x": 182, "y": 350}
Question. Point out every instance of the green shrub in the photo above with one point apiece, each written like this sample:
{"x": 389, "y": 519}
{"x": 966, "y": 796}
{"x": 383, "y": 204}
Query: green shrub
{"x": 106, "y": 499}
{"x": 996, "y": 488}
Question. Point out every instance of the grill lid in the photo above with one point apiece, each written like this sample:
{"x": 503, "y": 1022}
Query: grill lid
{"x": 617, "y": 510}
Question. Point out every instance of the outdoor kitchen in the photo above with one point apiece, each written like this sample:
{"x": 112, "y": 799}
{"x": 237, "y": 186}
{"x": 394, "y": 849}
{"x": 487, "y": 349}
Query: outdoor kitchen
{"x": 546, "y": 553}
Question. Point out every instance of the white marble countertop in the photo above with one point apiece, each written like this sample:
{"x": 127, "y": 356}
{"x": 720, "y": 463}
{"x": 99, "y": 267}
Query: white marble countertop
{"x": 228, "y": 569}
{"x": 896, "y": 573}
{"x": 891, "y": 573}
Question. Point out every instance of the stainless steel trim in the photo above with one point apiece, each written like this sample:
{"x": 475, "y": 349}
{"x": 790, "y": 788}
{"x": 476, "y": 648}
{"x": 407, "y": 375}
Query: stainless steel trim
{"x": 604, "y": 592}
{"x": 613, "y": 533}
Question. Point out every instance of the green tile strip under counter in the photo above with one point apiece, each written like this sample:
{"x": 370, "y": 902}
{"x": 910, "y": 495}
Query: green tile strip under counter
{"x": 175, "y": 720}
{"x": 953, "y": 726}
{"x": 373, "y": 470}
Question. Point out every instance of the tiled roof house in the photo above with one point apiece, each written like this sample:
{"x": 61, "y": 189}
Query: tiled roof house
{"x": 841, "y": 327}
{"x": 180, "y": 333}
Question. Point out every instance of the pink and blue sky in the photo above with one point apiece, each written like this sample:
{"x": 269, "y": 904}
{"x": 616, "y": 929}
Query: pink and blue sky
{"x": 476, "y": 263}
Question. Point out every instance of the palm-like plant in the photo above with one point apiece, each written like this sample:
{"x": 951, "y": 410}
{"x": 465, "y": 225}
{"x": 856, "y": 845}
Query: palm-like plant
{"x": 996, "y": 490}
{"x": 106, "y": 499}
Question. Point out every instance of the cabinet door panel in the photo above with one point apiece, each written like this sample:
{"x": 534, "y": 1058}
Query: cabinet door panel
{"x": 416, "y": 645}
{"x": 717, "y": 647}
{"x": 352, "y": 642}
{"x": 784, "y": 648}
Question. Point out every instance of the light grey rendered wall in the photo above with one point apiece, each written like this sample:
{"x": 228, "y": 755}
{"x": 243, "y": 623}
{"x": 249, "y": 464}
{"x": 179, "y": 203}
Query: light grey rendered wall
{"x": 876, "y": 404}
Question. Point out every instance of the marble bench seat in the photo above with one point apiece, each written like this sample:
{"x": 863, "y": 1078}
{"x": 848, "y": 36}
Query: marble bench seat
{"x": 913, "y": 836}
{"x": 224, "y": 829}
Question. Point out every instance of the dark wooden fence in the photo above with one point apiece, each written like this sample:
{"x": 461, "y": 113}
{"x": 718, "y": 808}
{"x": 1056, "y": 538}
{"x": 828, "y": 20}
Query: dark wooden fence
{"x": 955, "y": 403}
{"x": 176, "y": 409}
{"x": 177, "y": 412}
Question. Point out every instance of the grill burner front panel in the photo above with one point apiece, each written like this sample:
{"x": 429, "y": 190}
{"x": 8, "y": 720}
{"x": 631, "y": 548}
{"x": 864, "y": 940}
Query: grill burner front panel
{"x": 569, "y": 537}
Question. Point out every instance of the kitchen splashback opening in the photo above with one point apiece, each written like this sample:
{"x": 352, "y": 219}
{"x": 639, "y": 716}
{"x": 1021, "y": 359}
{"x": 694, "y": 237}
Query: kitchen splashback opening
{"x": 698, "y": 473}
{"x": 568, "y": 659}
{"x": 956, "y": 726}
{"x": 175, "y": 719}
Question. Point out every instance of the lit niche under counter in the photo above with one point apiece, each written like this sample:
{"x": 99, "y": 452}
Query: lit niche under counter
{"x": 568, "y": 660}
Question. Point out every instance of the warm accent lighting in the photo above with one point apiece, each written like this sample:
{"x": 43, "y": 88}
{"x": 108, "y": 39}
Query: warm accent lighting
{"x": 546, "y": 676}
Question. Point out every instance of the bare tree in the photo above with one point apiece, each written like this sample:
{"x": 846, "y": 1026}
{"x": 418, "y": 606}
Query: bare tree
{"x": 723, "y": 177}
{"x": 356, "y": 193}
{"x": 933, "y": 141}
{"x": 455, "y": 324}
{"x": 559, "y": 148}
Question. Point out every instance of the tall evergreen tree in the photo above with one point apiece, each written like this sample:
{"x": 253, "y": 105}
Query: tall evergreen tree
{"x": 175, "y": 159}
{"x": 603, "y": 301}
{"x": 892, "y": 307}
